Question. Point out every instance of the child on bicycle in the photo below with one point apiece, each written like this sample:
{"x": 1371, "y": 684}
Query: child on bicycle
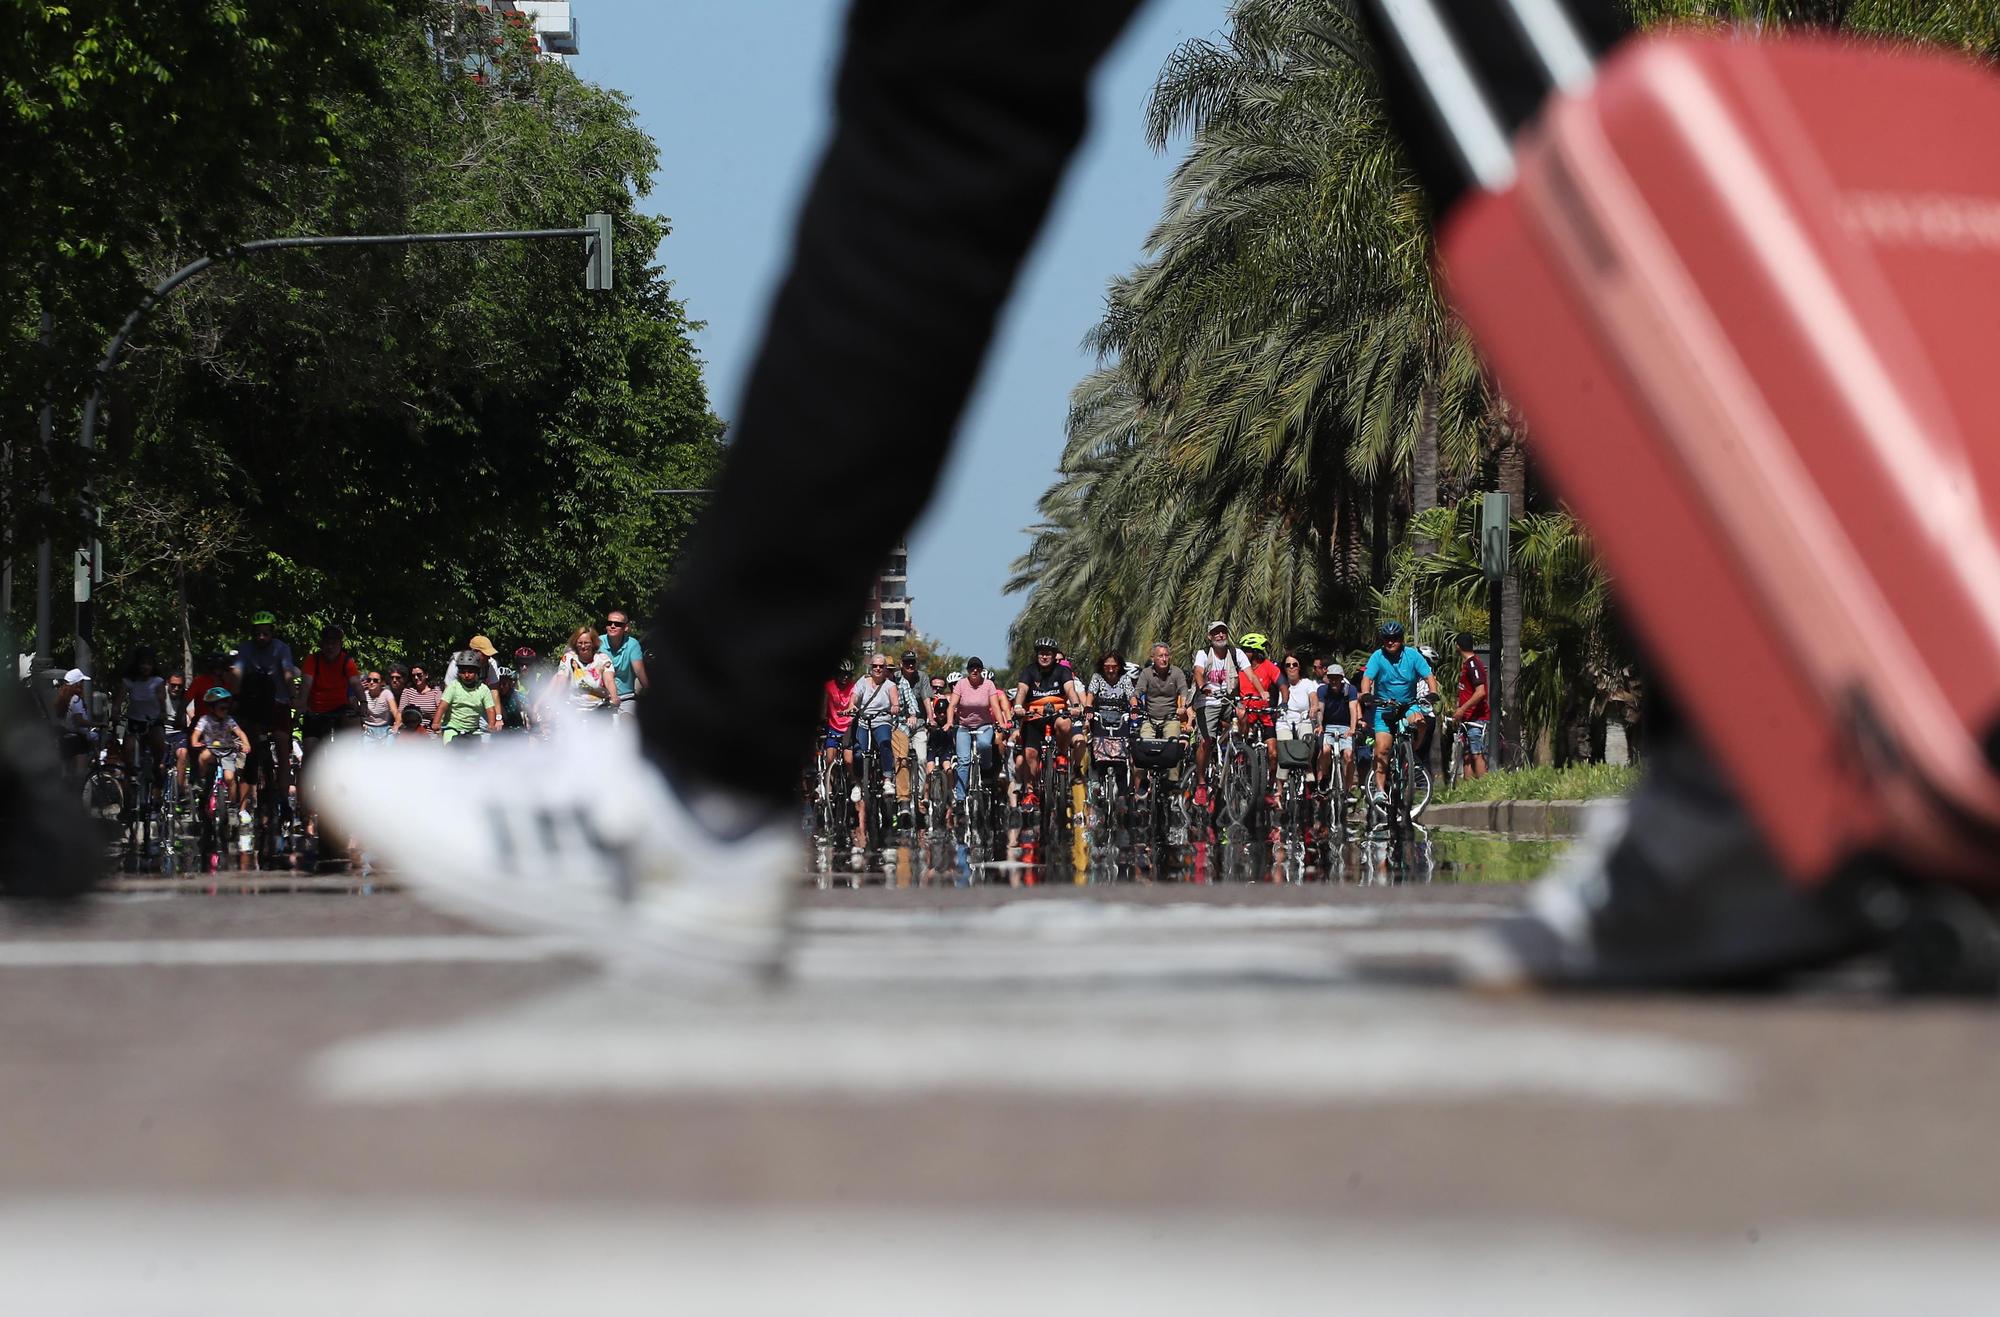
{"x": 220, "y": 743}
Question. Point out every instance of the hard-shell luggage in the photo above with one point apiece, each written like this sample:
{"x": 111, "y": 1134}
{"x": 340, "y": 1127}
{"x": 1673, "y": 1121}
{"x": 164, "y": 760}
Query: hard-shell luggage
{"x": 1746, "y": 294}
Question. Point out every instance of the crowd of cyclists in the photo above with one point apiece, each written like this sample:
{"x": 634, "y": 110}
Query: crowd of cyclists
{"x": 902, "y": 748}
{"x": 200, "y": 769}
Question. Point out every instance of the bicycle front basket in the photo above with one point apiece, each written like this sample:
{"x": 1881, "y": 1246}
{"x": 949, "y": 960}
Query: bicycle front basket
{"x": 1151, "y": 754}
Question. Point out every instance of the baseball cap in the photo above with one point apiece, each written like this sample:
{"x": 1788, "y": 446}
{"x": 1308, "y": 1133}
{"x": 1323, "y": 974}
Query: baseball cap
{"x": 1336, "y": 671}
{"x": 73, "y": 676}
{"x": 482, "y": 644}
{"x": 1214, "y": 627}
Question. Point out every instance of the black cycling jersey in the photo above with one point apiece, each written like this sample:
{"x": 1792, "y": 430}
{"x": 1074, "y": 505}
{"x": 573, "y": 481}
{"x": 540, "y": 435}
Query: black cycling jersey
{"x": 1039, "y": 687}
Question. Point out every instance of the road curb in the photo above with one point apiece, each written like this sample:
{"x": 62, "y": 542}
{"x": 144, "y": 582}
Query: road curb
{"x": 1522, "y": 818}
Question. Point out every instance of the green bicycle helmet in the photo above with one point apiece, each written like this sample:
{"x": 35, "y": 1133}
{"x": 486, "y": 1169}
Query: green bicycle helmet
{"x": 1256, "y": 640}
{"x": 263, "y": 619}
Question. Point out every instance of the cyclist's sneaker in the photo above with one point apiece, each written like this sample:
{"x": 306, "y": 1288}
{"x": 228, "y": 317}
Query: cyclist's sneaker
{"x": 582, "y": 837}
{"x": 1201, "y": 797}
{"x": 1674, "y": 890}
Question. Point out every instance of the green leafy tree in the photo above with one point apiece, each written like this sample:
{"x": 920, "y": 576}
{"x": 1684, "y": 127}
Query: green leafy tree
{"x": 423, "y": 443}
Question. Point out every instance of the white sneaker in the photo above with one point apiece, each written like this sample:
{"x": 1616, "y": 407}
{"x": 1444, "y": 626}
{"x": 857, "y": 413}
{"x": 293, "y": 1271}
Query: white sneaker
{"x": 580, "y": 836}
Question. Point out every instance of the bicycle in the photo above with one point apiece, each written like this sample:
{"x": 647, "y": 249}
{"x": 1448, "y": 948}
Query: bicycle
{"x": 869, "y": 772}
{"x": 1165, "y": 806}
{"x": 835, "y": 809}
{"x": 1298, "y": 761}
{"x": 1403, "y": 777}
{"x": 1053, "y": 779}
{"x": 1240, "y": 769}
{"x": 937, "y": 781}
{"x": 1110, "y": 795}
{"x": 1333, "y": 796}
{"x": 982, "y": 812}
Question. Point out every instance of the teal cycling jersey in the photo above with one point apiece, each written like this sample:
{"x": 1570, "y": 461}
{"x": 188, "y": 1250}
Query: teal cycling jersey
{"x": 1398, "y": 680}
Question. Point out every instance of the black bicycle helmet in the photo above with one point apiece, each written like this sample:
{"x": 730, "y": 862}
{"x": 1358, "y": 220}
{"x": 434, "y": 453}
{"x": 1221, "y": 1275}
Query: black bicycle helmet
{"x": 1046, "y": 642}
{"x": 845, "y": 667}
{"x": 1389, "y": 631}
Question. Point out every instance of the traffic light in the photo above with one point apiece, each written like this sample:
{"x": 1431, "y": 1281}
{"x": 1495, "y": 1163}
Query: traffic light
{"x": 597, "y": 247}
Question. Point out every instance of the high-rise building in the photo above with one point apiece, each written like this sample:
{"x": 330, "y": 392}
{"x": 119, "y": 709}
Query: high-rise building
{"x": 886, "y": 622}
{"x": 554, "y": 23}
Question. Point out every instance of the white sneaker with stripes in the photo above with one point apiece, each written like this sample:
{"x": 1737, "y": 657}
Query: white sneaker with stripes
{"x": 580, "y": 836}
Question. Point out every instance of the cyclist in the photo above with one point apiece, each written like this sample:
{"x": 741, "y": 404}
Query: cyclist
{"x": 515, "y": 715}
{"x": 1298, "y": 705}
{"x": 1395, "y": 674}
{"x": 1214, "y": 669}
{"x": 378, "y": 710}
{"x": 1340, "y": 714}
{"x": 628, "y": 661}
{"x": 875, "y": 704}
{"x": 72, "y": 714}
{"x": 1258, "y": 687}
{"x": 975, "y": 708}
{"x": 220, "y": 743}
{"x": 266, "y": 691}
{"x": 1111, "y": 686}
{"x": 1045, "y": 694}
{"x": 329, "y": 688}
{"x": 1472, "y": 710}
{"x": 418, "y": 703}
{"x": 839, "y": 723}
{"x": 468, "y": 707}
{"x": 143, "y": 697}
{"x": 912, "y": 731}
{"x": 1163, "y": 689}
{"x": 584, "y": 679}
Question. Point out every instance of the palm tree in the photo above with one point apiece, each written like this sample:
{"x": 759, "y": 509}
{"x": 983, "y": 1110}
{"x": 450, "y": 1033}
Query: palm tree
{"x": 1280, "y": 364}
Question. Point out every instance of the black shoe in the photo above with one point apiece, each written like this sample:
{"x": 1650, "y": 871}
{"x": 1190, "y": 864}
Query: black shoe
{"x": 1675, "y": 891}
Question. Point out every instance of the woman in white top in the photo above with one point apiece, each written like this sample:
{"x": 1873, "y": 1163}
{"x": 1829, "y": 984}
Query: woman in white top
{"x": 143, "y": 695}
{"x": 1298, "y": 713}
{"x": 378, "y": 710}
{"x": 584, "y": 677}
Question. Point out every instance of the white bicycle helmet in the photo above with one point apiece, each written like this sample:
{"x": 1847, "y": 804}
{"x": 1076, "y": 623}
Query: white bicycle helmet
{"x": 954, "y": 676}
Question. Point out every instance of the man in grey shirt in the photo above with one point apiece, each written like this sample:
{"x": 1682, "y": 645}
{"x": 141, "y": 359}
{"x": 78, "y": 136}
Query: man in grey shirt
{"x": 1164, "y": 688}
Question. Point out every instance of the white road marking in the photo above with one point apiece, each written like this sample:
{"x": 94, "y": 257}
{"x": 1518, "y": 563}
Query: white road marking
{"x": 1243, "y": 1044}
{"x": 1086, "y": 919}
{"x": 199, "y": 1258}
{"x": 24, "y": 954}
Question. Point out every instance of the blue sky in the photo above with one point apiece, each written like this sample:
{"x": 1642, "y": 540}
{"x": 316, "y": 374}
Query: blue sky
{"x": 736, "y": 94}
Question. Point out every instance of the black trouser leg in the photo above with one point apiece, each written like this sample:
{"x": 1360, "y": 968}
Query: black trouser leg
{"x": 954, "y": 123}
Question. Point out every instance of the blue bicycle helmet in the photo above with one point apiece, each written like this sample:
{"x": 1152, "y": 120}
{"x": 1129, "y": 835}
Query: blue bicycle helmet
{"x": 1389, "y": 631}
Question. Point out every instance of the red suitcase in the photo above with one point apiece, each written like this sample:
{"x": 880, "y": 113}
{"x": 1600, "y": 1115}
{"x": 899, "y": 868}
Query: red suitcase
{"x": 1746, "y": 293}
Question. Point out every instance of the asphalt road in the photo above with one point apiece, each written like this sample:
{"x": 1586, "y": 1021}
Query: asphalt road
{"x": 1157, "y": 1098}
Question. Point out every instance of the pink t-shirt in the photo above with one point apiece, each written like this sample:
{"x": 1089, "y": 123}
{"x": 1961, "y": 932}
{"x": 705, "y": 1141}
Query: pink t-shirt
{"x": 975, "y": 703}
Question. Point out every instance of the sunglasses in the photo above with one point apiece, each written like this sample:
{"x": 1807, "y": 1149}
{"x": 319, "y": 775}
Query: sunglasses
{"x": 1291, "y": 663}
{"x": 619, "y": 622}
{"x": 373, "y": 681}
{"x": 878, "y": 667}
{"x": 417, "y": 673}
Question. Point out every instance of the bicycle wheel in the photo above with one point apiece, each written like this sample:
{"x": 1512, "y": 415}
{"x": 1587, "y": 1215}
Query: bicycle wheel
{"x": 1402, "y": 767}
{"x": 1420, "y": 789}
{"x": 1236, "y": 788}
{"x": 1336, "y": 801}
